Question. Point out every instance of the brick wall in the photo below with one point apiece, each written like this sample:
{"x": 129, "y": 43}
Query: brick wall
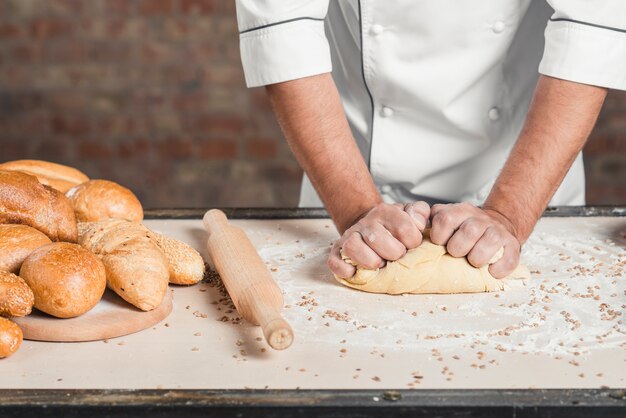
{"x": 150, "y": 93}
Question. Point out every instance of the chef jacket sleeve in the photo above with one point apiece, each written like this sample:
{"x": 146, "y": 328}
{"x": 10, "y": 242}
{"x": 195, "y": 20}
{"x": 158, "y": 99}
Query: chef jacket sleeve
{"x": 282, "y": 40}
{"x": 586, "y": 42}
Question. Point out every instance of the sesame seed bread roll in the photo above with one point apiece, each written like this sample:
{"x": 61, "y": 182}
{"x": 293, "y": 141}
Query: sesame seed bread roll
{"x": 186, "y": 264}
{"x": 16, "y": 298}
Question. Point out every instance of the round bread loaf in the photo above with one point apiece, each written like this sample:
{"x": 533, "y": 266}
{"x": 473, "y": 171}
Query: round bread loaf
{"x": 99, "y": 200}
{"x": 16, "y": 298}
{"x": 67, "y": 279}
{"x": 10, "y": 337}
{"x": 16, "y": 243}
{"x": 57, "y": 176}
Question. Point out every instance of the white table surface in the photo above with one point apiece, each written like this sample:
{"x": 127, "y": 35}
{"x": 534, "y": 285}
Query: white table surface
{"x": 564, "y": 328}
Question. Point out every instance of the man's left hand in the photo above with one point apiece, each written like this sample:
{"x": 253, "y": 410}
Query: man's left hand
{"x": 475, "y": 233}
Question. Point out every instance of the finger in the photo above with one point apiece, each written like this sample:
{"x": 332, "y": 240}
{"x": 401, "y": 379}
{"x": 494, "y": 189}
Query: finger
{"x": 360, "y": 253}
{"x": 379, "y": 239}
{"x": 464, "y": 239}
{"x": 444, "y": 221}
{"x": 486, "y": 247}
{"x": 338, "y": 266}
{"x": 509, "y": 261}
{"x": 402, "y": 227}
{"x": 419, "y": 212}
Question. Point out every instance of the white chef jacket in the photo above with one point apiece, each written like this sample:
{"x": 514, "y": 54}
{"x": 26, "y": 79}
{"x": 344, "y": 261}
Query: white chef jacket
{"x": 436, "y": 91}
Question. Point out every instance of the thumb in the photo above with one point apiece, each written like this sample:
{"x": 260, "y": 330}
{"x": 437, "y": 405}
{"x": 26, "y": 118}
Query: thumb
{"x": 419, "y": 212}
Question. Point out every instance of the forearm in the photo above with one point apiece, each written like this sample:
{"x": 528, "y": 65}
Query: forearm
{"x": 311, "y": 116}
{"x": 560, "y": 119}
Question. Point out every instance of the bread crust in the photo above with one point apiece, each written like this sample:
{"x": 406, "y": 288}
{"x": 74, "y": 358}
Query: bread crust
{"x": 58, "y": 176}
{"x": 16, "y": 243}
{"x": 67, "y": 280}
{"x": 23, "y": 200}
{"x": 99, "y": 200}
{"x": 10, "y": 337}
{"x": 16, "y": 298}
{"x": 136, "y": 268}
{"x": 186, "y": 265}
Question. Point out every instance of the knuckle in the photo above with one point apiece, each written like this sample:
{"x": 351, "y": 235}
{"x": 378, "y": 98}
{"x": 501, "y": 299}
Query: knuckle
{"x": 442, "y": 219}
{"x": 472, "y": 227}
{"x": 350, "y": 245}
{"x": 492, "y": 236}
{"x": 405, "y": 231}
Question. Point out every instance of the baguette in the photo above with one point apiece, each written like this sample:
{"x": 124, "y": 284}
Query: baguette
{"x": 186, "y": 265}
{"x": 136, "y": 269}
{"x": 23, "y": 200}
{"x": 10, "y": 337}
{"x": 16, "y": 298}
{"x": 57, "y": 176}
{"x": 16, "y": 243}
{"x": 99, "y": 200}
{"x": 66, "y": 279}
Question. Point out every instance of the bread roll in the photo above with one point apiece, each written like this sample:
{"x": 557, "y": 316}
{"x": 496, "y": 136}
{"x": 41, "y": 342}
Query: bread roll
{"x": 16, "y": 298}
{"x": 67, "y": 280}
{"x": 186, "y": 264}
{"x": 99, "y": 200}
{"x": 57, "y": 176}
{"x": 136, "y": 269}
{"x": 16, "y": 243}
{"x": 10, "y": 337}
{"x": 23, "y": 200}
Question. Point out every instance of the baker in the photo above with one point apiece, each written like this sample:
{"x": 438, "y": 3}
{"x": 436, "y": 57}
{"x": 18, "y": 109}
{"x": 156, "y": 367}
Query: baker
{"x": 390, "y": 106}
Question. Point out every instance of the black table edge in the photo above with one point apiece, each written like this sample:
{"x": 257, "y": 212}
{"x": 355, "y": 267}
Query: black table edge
{"x": 320, "y": 213}
{"x": 517, "y": 403}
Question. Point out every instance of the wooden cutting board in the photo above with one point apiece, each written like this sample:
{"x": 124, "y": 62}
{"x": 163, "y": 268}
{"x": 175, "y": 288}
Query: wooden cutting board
{"x": 111, "y": 317}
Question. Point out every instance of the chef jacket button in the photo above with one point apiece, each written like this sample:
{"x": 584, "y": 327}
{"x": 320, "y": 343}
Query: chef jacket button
{"x": 376, "y": 30}
{"x": 386, "y": 112}
{"x": 498, "y": 27}
{"x": 494, "y": 113}
{"x": 385, "y": 188}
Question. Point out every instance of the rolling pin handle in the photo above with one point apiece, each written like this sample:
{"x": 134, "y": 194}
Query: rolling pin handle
{"x": 214, "y": 220}
{"x": 278, "y": 333}
{"x": 276, "y": 330}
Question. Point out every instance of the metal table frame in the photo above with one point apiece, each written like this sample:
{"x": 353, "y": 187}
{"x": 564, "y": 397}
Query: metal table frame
{"x": 570, "y": 403}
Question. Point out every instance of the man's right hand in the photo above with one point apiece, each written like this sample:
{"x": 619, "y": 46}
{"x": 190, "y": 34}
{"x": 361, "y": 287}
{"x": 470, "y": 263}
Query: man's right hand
{"x": 385, "y": 233}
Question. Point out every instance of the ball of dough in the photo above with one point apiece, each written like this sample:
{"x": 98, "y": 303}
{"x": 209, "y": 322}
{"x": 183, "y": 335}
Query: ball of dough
{"x": 10, "y": 337}
{"x": 99, "y": 200}
{"x": 429, "y": 269}
{"x": 67, "y": 279}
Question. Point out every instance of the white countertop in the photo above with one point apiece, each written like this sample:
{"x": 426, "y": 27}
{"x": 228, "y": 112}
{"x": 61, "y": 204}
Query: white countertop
{"x": 553, "y": 332}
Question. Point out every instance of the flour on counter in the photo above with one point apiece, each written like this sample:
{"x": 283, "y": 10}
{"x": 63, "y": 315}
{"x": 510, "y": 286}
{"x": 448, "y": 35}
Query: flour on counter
{"x": 573, "y": 303}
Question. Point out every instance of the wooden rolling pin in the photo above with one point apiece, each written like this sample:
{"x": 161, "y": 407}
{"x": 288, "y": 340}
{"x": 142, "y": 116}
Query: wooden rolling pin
{"x": 248, "y": 282}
